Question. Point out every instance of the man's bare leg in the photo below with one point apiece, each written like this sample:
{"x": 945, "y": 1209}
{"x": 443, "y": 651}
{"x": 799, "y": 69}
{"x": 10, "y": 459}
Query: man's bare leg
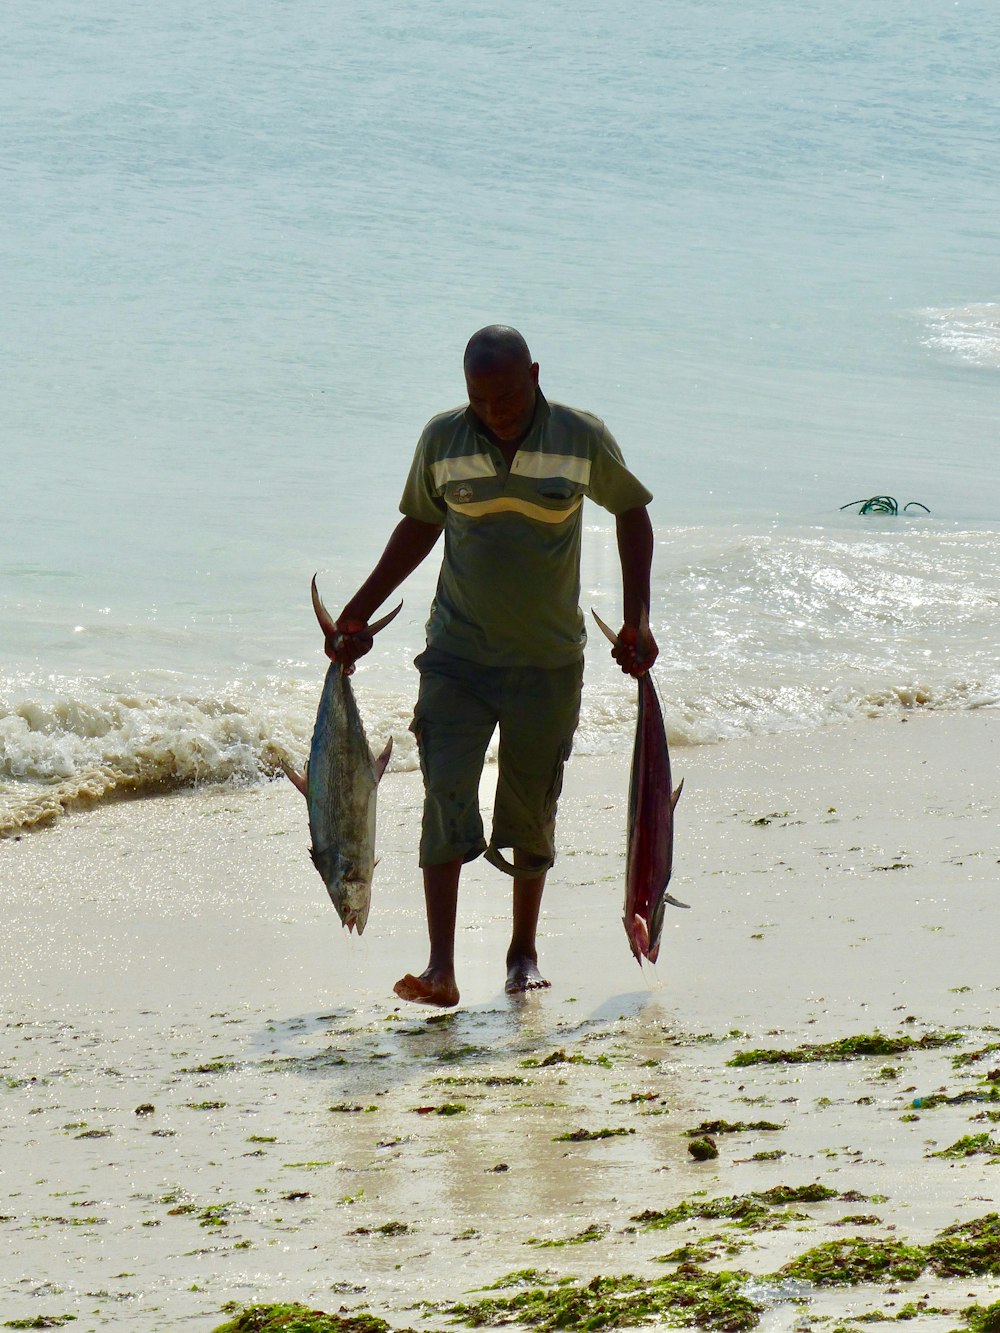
{"x": 522, "y": 956}
{"x": 436, "y": 984}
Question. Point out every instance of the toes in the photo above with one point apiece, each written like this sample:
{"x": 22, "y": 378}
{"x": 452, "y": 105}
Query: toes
{"x": 420, "y": 990}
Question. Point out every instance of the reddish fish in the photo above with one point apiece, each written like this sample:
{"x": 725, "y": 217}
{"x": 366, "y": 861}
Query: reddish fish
{"x": 651, "y": 802}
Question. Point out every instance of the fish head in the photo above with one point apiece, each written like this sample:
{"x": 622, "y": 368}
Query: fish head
{"x": 349, "y": 888}
{"x": 638, "y": 936}
{"x": 353, "y": 908}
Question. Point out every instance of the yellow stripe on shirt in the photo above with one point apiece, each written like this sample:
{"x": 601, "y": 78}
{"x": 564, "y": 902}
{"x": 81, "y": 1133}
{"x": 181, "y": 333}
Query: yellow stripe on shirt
{"x": 511, "y": 504}
{"x": 541, "y": 465}
{"x": 463, "y": 468}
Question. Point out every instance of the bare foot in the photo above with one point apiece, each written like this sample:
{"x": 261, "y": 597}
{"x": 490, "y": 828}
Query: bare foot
{"x": 523, "y": 975}
{"x": 429, "y": 988}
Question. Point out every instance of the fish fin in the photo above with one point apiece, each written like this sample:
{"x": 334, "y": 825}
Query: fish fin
{"x": 382, "y": 762}
{"x": 677, "y": 794}
{"x": 298, "y": 780}
{"x": 606, "y": 630}
{"x": 381, "y": 624}
{"x": 674, "y": 902}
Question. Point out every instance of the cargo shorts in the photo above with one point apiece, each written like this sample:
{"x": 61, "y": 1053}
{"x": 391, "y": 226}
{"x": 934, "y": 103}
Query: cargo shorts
{"x": 459, "y": 707}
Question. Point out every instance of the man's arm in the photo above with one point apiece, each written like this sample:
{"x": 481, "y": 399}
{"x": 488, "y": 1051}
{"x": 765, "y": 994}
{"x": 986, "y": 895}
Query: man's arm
{"x": 636, "y": 651}
{"x": 410, "y": 543}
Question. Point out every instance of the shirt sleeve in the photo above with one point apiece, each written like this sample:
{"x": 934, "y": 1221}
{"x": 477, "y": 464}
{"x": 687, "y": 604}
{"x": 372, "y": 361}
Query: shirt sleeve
{"x": 419, "y": 499}
{"x": 611, "y": 484}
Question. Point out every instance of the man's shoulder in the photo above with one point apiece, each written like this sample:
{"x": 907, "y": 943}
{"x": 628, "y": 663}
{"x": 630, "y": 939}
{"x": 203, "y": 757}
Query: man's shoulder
{"x": 573, "y": 424}
{"x": 447, "y": 428}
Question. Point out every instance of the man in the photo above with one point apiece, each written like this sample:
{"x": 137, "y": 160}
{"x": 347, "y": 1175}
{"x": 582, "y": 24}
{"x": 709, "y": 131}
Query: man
{"x": 504, "y": 479}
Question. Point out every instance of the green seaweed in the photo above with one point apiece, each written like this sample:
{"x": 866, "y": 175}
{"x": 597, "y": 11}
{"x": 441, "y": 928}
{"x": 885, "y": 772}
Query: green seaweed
{"x": 523, "y": 1277}
{"x": 386, "y": 1229}
{"x": 561, "y": 1058}
{"x": 688, "y": 1296}
{"x": 982, "y": 1318}
{"x": 40, "y": 1321}
{"x": 595, "y": 1231}
{"x": 694, "y": 1252}
{"x": 731, "y": 1127}
{"x": 969, "y": 1145}
{"x": 857, "y": 1259}
{"x": 744, "y": 1209}
{"x": 482, "y": 1080}
{"x": 967, "y": 1249}
{"x": 300, "y": 1319}
{"x": 703, "y": 1150}
{"x": 973, "y": 1057}
{"x": 935, "y": 1099}
{"x": 588, "y": 1135}
{"x": 847, "y": 1048}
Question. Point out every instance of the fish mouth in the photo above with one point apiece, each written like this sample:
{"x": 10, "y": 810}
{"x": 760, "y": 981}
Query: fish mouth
{"x": 355, "y": 914}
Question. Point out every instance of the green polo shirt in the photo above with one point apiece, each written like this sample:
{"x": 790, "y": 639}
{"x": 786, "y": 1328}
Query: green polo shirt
{"x": 509, "y": 589}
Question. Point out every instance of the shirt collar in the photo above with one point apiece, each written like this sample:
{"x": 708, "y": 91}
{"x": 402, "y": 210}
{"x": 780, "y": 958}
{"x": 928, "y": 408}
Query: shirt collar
{"x": 542, "y": 414}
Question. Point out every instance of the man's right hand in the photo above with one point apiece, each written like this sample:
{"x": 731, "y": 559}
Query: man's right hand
{"x": 350, "y": 640}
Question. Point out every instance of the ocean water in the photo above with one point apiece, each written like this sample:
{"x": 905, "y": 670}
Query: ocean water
{"x": 243, "y": 246}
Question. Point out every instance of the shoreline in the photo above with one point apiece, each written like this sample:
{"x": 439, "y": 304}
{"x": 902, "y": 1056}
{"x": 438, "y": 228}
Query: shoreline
{"x": 180, "y": 954}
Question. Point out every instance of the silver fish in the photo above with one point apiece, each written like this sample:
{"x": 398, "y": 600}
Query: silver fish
{"x": 340, "y": 783}
{"x": 651, "y": 802}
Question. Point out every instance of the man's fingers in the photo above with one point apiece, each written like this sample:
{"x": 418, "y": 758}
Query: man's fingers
{"x": 635, "y": 653}
{"x": 350, "y": 642}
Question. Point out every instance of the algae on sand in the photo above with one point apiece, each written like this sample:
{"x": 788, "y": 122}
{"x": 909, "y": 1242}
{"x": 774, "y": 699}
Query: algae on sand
{"x": 300, "y": 1319}
{"x": 688, "y": 1296}
{"x": 847, "y": 1048}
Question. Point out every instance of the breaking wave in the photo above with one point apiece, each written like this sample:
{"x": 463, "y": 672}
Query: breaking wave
{"x": 66, "y": 750}
{"x": 65, "y": 754}
{"x": 759, "y": 633}
{"x": 971, "y": 333}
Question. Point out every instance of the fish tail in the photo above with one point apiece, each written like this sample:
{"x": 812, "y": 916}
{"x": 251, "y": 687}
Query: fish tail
{"x": 329, "y": 626}
{"x": 326, "y": 621}
{"x": 606, "y": 630}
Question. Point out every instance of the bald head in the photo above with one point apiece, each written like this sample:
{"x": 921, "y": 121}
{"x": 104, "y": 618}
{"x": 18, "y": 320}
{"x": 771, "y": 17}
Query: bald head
{"x": 497, "y": 347}
{"x": 502, "y": 381}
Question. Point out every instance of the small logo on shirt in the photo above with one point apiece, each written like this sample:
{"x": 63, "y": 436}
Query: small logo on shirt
{"x": 463, "y": 494}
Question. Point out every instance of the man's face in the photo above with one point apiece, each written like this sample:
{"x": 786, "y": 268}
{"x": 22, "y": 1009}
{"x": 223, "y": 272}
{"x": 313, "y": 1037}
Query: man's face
{"x": 503, "y": 398}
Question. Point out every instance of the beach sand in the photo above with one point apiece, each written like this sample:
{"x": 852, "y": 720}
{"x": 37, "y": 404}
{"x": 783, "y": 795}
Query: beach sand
{"x": 210, "y": 1095}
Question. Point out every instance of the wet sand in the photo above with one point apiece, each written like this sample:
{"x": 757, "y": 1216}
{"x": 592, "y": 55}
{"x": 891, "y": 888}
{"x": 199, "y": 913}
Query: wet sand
{"x": 210, "y": 1094}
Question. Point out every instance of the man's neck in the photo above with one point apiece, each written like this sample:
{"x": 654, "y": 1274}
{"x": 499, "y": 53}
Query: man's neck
{"x": 510, "y": 447}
